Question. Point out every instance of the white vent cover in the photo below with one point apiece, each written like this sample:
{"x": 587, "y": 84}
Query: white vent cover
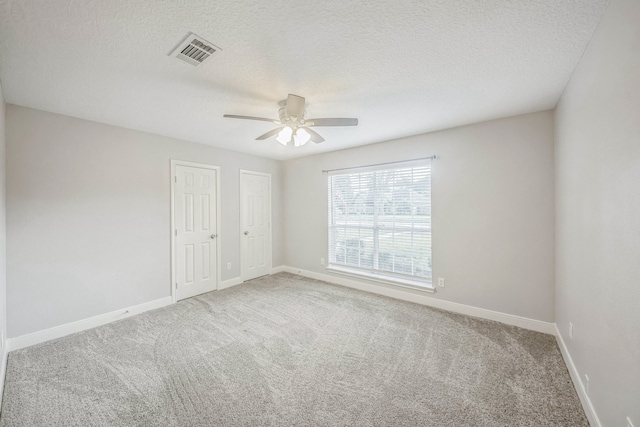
{"x": 194, "y": 49}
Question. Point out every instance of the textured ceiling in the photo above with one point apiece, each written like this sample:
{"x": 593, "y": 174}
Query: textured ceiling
{"x": 402, "y": 67}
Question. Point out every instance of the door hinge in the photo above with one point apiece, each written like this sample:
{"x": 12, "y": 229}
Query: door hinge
{"x": 175, "y": 232}
{"x": 175, "y": 179}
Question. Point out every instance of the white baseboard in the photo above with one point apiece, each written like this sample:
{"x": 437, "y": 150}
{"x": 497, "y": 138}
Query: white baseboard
{"x": 278, "y": 269}
{"x": 92, "y": 322}
{"x": 3, "y": 369}
{"x": 229, "y": 283}
{"x": 589, "y": 410}
{"x": 84, "y": 324}
{"x": 424, "y": 299}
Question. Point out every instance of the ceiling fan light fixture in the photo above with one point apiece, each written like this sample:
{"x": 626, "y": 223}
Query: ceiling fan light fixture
{"x": 285, "y": 135}
{"x": 301, "y": 137}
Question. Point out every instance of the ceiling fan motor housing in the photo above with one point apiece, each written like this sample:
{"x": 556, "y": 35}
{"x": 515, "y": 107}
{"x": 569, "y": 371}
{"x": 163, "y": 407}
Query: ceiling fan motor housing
{"x": 295, "y": 107}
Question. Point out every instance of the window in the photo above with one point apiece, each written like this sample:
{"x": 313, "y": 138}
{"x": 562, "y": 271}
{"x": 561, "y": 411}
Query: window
{"x": 380, "y": 222}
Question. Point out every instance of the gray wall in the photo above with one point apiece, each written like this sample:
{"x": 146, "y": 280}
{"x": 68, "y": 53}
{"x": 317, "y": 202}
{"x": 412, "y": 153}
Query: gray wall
{"x": 493, "y": 215}
{"x": 3, "y": 227}
{"x": 598, "y": 215}
{"x": 89, "y": 216}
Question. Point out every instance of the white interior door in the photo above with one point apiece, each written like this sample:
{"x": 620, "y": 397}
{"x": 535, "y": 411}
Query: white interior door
{"x": 255, "y": 223}
{"x": 195, "y": 231}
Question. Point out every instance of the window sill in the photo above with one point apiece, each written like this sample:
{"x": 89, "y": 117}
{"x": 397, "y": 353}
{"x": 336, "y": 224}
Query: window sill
{"x": 391, "y": 281}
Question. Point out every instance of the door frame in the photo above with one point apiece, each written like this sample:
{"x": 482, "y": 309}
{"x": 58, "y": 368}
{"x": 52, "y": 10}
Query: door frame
{"x": 172, "y": 231}
{"x": 269, "y": 220}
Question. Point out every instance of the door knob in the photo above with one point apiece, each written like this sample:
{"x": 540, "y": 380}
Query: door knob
{"x": 213, "y": 236}
{"x": 246, "y": 233}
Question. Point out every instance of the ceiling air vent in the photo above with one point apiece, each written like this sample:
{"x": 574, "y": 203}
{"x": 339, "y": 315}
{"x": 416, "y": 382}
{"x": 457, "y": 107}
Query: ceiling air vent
{"x": 194, "y": 49}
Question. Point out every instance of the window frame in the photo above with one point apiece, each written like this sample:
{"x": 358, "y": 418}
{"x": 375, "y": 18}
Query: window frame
{"x": 374, "y": 273}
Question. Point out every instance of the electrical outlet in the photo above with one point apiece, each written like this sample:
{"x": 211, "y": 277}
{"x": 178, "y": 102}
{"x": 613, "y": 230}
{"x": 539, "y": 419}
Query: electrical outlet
{"x": 322, "y": 261}
{"x": 228, "y": 266}
{"x": 586, "y": 383}
{"x": 629, "y": 423}
{"x": 570, "y": 330}
{"x": 441, "y": 282}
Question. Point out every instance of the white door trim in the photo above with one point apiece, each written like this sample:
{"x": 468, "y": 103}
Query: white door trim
{"x": 270, "y": 260}
{"x": 172, "y": 232}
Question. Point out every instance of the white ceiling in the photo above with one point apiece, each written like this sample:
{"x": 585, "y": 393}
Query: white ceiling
{"x": 403, "y": 67}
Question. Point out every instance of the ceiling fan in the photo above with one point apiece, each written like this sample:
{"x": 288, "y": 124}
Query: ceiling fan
{"x": 293, "y": 128}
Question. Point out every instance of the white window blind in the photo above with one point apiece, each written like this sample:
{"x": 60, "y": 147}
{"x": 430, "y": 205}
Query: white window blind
{"x": 380, "y": 221}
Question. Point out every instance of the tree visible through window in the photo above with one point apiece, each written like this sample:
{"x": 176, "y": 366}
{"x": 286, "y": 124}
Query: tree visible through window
{"x": 380, "y": 221}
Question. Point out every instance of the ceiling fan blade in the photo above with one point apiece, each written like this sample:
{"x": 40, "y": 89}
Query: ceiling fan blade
{"x": 295, "y": 106}
{"x": 262, "y": 119}
{"x": 269, "y": 134}
{"x": 332, "y": 122}
{"x": 315, "y": 136}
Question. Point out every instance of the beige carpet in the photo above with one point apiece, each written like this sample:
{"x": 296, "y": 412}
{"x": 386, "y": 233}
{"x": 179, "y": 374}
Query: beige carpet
{"x": 289, "y": 351}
